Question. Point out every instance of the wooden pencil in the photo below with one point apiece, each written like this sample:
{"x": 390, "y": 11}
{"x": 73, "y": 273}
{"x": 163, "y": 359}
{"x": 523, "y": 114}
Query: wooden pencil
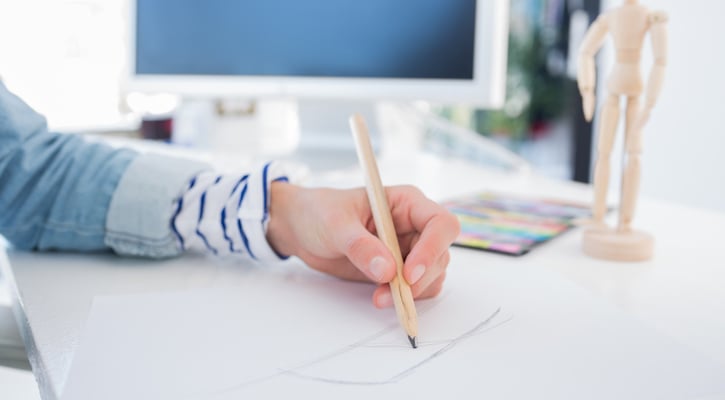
{"x": 399, "y": 288}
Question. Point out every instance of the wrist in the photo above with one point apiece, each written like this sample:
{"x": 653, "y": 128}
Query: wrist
{"x": 279, "y": 232}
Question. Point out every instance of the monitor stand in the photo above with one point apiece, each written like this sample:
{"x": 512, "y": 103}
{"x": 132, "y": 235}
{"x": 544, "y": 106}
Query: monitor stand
{"x": 311, "y": 132}
{"x": 325, "y": 139}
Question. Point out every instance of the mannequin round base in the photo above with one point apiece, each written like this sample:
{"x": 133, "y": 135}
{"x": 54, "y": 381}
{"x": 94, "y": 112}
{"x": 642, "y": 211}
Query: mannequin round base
{"x": 608, "y": 244}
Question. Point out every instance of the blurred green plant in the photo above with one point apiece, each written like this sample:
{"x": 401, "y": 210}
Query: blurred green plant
{"x": 535, "y": 82}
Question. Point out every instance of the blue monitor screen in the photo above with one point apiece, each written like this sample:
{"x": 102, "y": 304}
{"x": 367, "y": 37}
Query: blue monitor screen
{"x": 420, "y": 39}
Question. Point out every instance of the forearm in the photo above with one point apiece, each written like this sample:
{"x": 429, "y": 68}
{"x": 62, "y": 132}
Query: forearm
{"x": 60, "y": 192}
{"x": 586, "y": 73}
{"x": 654, "y": 85}
{"x": 54, "y": 189}
{"x": 658, "y": 30}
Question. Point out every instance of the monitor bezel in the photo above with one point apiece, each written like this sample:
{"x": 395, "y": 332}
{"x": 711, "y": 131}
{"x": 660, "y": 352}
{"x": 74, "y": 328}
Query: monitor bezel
{"x": 486, "y": 89}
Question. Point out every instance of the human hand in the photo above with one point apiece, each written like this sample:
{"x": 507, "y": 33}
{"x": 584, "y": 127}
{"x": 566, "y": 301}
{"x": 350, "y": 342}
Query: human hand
{"x": 333, "y": 231}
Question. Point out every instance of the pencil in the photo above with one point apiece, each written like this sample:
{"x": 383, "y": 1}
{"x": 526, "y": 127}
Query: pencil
{"x": 399, "y": 288}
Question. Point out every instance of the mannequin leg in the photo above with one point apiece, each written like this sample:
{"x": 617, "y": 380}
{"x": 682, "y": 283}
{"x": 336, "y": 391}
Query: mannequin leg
{"x": 607, "y": 129}
{"x": 632, "y": 167}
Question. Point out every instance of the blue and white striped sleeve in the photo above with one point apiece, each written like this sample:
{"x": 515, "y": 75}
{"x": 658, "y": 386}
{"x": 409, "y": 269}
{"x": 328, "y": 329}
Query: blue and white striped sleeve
{"x": 228, "y": 214}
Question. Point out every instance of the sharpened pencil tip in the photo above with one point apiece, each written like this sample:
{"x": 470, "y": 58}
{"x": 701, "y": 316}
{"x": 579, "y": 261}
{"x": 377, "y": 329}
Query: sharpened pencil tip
{"x": 413, "y": 341}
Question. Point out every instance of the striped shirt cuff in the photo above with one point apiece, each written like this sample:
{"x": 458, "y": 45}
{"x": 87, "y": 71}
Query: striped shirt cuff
{"x": 228, "y": 214}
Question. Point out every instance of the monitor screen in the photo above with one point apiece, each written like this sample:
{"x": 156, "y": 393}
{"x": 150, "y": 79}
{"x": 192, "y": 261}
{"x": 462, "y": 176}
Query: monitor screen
{"x": 406, "y": 39}
{"x": 415, "y": 49}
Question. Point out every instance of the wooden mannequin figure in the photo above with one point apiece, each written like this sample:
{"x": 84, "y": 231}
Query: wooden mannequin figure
{"x": 628, "y": 25}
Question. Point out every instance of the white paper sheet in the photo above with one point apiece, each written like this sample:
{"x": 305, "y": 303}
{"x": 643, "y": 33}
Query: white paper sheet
{"x": 493, "y": 333}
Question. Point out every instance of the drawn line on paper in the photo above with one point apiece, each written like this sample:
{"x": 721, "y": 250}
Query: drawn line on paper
{"x": 312, "y": 362}
{"x": 393, "y": 326}
{"x": 365, "y": 343}
{"x": 476, "y": 330}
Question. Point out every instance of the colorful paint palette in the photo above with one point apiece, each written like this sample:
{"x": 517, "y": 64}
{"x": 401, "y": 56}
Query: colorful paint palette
{"x": 511, "y": 224}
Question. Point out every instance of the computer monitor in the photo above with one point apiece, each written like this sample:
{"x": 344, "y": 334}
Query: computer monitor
{"x": 449, "y": 51}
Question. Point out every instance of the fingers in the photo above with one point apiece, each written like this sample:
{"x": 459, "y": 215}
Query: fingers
{"x": 430, "y": 225}
{"x": 382, "y": 298}
{"x": 340, "y": 267}
{"x": 432, "y": 274}
{"x": 429, "y": 285}
{"x": 415, "y": 215}
{"x": 435, "y": 288}
{"x": 367, "y": 253}
{"x": 429, "y": 255}
{"x": 426, "y": 230}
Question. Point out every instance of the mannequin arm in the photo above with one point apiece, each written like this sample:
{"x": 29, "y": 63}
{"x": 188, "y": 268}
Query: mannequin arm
{"x": 658, "y": 34}
{"x": 586, "y": 71}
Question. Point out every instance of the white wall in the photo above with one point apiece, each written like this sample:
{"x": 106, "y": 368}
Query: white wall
{"x": 65, "y": 58}
{"x": 684, "y": 158}
{"x": 684, "y": 154}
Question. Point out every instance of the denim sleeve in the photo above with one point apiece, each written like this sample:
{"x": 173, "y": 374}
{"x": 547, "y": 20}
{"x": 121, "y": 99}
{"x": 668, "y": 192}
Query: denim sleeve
{"x": 140, "y": 213}
{"x": 58, "y": 191}
{"x": 55, "y": 189}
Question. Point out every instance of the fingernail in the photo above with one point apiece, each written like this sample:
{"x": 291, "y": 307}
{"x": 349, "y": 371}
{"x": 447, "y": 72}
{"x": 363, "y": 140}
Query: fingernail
{"x": 377, "y": 268}
{"x": 385, "y": 300}
{"x": 417, "y": 273}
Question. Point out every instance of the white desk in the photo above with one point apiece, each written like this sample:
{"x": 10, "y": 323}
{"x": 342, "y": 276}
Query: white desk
{"x": 679, "y": 293}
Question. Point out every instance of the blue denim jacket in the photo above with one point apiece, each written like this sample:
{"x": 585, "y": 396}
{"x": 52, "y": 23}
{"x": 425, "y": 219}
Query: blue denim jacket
{"x": 58, "y": 191}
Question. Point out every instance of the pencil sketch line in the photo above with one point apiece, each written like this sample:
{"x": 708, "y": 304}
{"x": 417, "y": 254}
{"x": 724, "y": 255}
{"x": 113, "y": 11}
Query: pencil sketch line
{"x": 358, "y": 344}
{"x": 472, "y": 332}
{"x": 346, "y": 348}
{"x": 427, "y": 343}
{"x": 447, "y": 347}
{"x": 295, "y": 374}
{"x": 309, "y": 363}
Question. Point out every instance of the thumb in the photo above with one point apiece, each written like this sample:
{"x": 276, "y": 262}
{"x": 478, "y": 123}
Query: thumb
{"x": 367, "y": 253}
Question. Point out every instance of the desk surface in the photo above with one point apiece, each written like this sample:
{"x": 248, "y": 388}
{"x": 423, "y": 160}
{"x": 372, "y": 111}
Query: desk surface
{"x": 679, "y": 293}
